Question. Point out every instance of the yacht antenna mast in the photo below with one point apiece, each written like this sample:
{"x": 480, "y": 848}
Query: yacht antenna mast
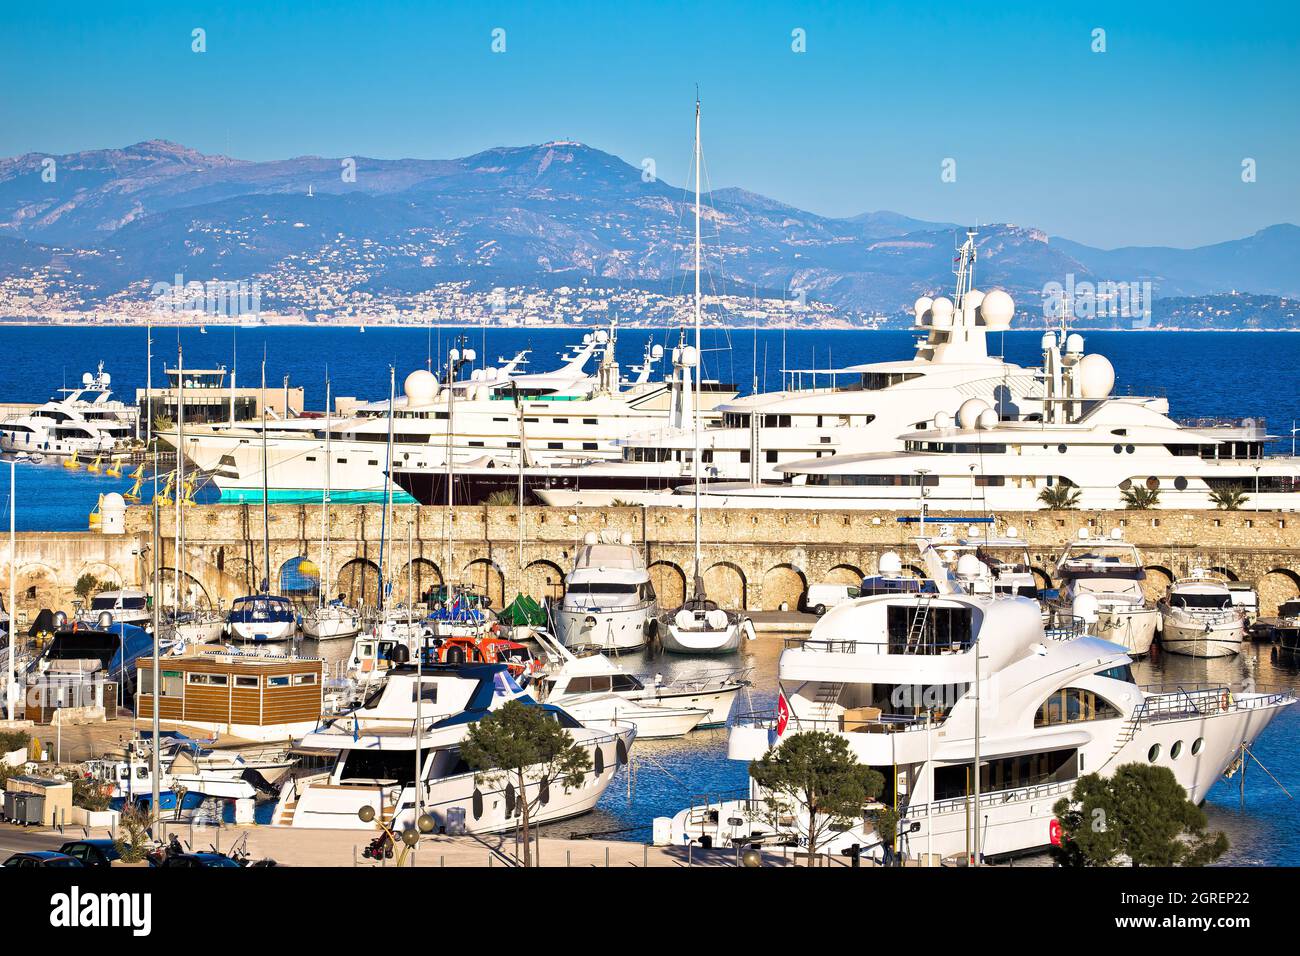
{"x": 695, "y": 458}
{"x": 266, "y": 494}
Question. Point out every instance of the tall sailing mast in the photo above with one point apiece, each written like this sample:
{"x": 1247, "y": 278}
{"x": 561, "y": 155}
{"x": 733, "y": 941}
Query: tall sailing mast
{"x": 695, "y": 458}
{"x": 266, "y": 493}
{"x": 180, "y": 472}
{"x": 323, "y": 575}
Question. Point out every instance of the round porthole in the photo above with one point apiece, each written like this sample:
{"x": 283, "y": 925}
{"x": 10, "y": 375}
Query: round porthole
{"x": 1153, "y": 754}
{"x": 1118, "y": 449}
{"x": 1061, "y": 449}
{"x": 1153, "y": 482}
{"x": 1197, "y": 745}
{"x": 1130, "y": 449}
{"x": 1175, "y": 750}
{"x": 1180, "y": 483}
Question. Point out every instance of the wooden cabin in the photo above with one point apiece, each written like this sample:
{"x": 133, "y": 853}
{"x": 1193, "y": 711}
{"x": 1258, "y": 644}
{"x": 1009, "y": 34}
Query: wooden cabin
{"x": 249, "y": 695}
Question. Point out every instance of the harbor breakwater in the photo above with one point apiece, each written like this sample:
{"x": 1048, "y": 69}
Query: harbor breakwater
{"x": 753, "y": 559}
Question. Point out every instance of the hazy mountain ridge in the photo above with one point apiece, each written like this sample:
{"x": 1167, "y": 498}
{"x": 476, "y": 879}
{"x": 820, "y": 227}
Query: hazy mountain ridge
{"x": 120, "y": 219}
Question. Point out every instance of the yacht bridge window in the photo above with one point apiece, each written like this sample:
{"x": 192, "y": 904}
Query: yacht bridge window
{"x": 874, "y": 381}
{"x": 1073, "y": 705}
{"x": 922, "y": 629}
{"x": 1007, "y": 773}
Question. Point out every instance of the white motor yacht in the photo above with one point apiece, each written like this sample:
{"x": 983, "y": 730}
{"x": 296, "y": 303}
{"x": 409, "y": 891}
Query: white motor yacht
{"x": 125, "y": 606}
{"x": 1199, "y": 619}
{"x": 84, "y": 420}
{"x": 609, "y": 601}
{"x": 426, "y": 714}
{"x": 330, "y": 622}
{"x": 1100, "y": 581}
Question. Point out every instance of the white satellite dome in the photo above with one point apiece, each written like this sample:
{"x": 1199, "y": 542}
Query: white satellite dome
{"x": 1048, "y": 341}
{"x": 973, "y": 299}
{"x": 420, "y": 387}
{"x": 987, "y": 419}
{"x": 941, "y": 312}
{"x": 1084, "y": 607}
{"x": 890, "y": 563}
{"x": 970, "y": 411}
{"x": 688, "y": 356}
{"x": 112, "y": 502}
{"x": 602, "y": 336}
{"x": 942, "y": 420}
{"x": 589, "y": 538}
{"x": 1095, "y": 376}
{"x": 922, "y": 306}
{"x": 969, "y": 566}
{"x": 997, "y": 309}
{"x": 476, "y": 375}
{"x": 1074, "y": 344}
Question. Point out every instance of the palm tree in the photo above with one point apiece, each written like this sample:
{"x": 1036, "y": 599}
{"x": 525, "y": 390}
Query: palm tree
{"x": 1060, "y": 497}
{"x": 1230, "y": 498}
{"x": 500, "y": 497}
{"x": 1140, "y": 497}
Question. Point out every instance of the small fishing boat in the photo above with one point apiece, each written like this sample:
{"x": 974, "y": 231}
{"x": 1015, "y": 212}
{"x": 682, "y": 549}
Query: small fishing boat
{"x": 261, "y": 618}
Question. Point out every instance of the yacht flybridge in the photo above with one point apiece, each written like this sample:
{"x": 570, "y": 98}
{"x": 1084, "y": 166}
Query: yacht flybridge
{"x": 79, "y": 420}
{"x": 1101, "y": 583}
{"x": 609, "y": 601}
{"x": 1086, "y": 443}
{"x": 503, "y": 420}
{"x": 924, "y": 688}
{"x": 865, "y": 410}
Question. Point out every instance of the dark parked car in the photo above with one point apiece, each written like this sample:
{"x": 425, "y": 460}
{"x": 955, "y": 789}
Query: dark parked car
{"x": 42, "y": 858}
{"x": 198, "y": 859}
{"x": 91, "y": 852}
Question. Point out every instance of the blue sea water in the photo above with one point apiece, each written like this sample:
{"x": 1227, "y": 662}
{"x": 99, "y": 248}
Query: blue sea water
{"x": 1202, "y": 374}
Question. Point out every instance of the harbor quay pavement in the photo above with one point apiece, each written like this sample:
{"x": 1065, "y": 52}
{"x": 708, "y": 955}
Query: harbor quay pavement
{"x": 334, "y": 848}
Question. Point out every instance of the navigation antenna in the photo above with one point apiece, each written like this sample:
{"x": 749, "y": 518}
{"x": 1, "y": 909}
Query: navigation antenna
{"x": 964, "y": 269}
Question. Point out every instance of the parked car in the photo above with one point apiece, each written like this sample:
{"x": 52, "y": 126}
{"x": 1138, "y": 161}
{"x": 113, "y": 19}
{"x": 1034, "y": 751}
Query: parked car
{"x": 822, "y": 597}
{"x": 91, "y": 852}
{"x": 198, "y": 860}
{"x": 42, "y": 858}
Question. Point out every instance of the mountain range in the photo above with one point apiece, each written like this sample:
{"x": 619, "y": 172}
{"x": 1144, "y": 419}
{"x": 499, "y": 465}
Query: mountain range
{"x": 115, "y": 221}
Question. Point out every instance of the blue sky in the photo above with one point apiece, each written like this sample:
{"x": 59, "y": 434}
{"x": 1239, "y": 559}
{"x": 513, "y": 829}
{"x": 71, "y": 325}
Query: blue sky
{"x": 1141, "y": 144}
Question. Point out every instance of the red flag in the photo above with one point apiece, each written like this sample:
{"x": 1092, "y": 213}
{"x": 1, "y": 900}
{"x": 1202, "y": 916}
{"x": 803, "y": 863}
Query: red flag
{"x": 1054, "y": 831}
{"x": 782, "y": 713}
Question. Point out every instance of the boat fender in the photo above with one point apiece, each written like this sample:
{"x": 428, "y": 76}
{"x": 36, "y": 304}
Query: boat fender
{"x": 544, "y": 791}
{"x": 510, "y": 799}
{"x": 620, "y": 751}
{"x": 476, "y": 803}
{"x": 598, "y": 760}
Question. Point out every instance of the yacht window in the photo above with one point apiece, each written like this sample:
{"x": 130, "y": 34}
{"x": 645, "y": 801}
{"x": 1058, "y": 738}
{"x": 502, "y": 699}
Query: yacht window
{"x": 1074, "y": 705}
{"x": 1214, "y": 602}
{"x": 874, "y": 381}
{"x": 589, "y": 421}
{"x": 301, "y": 679}
{"x": 375, "y": 765}
{"x": 946, "y": 629}
{"x": 1009, "y": 773}
{"x": 600, "y": 587}
{"x": 624, "y": 682}
{"x": 1122, "y": 672}
{"x": 426, "y": 691}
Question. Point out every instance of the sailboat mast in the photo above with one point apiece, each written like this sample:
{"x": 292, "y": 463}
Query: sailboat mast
{"x": 266, "y": 485}
{"x": 325, "y": 504}
{"x": 388, "y": 487}
{"x": 699, "y": 359}
{"x": 180, "y": 469}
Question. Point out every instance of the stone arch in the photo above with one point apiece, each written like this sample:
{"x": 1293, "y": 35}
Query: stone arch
{"x": 1221, "y": 569}
{"x": 783, "y": 584}
{"x": 105, "y": 574}
{"x": 1043, "y": 578}
{"x": 1278, "y": 585}
{"x": 358, "y": 582}
{"x": 1157, "y": 581}
{"x": 543, "y": 580}
{"x": 38, "y": 584}
{"x": 725, "y": 583}
{"x": 420, "y": 575}
{"x": 914, "y": 571}
{"x": 299, "y": 577}
{"x": 484, "y": 576}
{"x": 670, "y": 583}
{"x": 844, "y": 574}
{"x": 193, "y": 593}
{"x": 238, "y": 569}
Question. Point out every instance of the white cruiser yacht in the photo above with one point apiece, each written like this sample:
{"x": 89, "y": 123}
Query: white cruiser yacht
{"x": 84, "y": 420}
{"x": 506, "y": 420}
{"x": 1095, "y": 446}
{"x": 330, "y": 621}
{"x": 608, "y": 600}
{"x": 430, "y": 711}
{"x": 924, "y": 688}
{"x": 569, "y": 676}
{"x": 865, "y": 410}
{"x": 1199, "y": 618}
{"x": 185, "y": 763}
{"x": 127, "y": 606}
{"x": 1100, "y": 581}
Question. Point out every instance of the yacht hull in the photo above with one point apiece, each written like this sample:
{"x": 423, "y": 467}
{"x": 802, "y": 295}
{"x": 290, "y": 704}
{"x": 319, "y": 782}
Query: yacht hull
{"x": 329, "y": 627}
{"x": 677, "y": 640}
{"x": 1194, "y": 639}
{"x": 269, "y": 633}
{"x": 610, "y": 630}
{"x": 1134, "y": 629}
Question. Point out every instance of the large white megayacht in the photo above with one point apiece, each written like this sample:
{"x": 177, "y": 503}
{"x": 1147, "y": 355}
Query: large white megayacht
{"x": 1199, "y": 618}
{"x": 426, "y": 714}
{"x": 506, "y": 419}
{"x": 924, "y": 687}
{"x": 865, "y": 409}
{"x": 609, "y": 601}
{"x": 84, "y": 420}
{"x": 1101, "y": 582}
{"x": 1094, "y": 445}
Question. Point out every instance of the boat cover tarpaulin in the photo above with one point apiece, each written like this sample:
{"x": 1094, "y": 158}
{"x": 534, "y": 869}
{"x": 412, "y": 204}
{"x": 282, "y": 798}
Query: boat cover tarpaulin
{"x": 523, "y": 611}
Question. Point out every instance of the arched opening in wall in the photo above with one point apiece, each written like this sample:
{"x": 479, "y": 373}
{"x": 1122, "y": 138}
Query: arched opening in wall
{"x": 1276, "y": 587}
{"x": 358, "y": 582}
{"x": 1042, "y": 579}
{"x": 38, "y": 587}
{"x": 192, "y": 592}
{"x": 1220, "y": 569}
{"x": 486, "y": 578}
{"x": 725, "y": 583}
{"x": 420, "y": 577}
{"x": 914, "y": 571}
{"x": 543, "y": 580}
{"x": 237, "y": 570}
{"x": 106, "y": 576}
{"x": 1156, "y": 584}
{"x": 299, "y": 578}
{"x": 783, "y": 584}
{"x": 670, "y": 583}
{"x": 845, "y": 574}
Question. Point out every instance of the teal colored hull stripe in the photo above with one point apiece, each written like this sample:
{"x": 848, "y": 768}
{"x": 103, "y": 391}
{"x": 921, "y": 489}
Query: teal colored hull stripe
{"x": 310, "y": 497}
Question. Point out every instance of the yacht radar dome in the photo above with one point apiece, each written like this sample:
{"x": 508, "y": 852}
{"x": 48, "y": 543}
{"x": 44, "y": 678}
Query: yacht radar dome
{"x": 973, "y": 299}
{"x": 626, "y": 539}
{"x": 1048, "y": 341}
{"x": 969, "y": 566}
{"x": 657, "y": 351}
{"x": 87, "y": 379}
{"x": 1013, "y": 532}
{"x": 1074, "y": 344}
{"x": 970, "y": 411}
{"x": 589, "y": 538}
{"x": 941, "y": 313}
{"x": 922, "y": 306}
{"x": 1117, "y": 534}
{"x": 689, "y": 357}
{"x": 987, "y": 419}
{"x": 1095, "y": 375}
{"x": 942, "y": 420}
{"x": 997, "y": 309}
{"x": 890, "y": 563}
{"x": 420, "y": 387}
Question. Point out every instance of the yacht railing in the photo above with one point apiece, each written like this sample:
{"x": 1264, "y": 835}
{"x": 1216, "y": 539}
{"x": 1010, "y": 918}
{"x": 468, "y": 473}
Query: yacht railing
{"x": 896, "y": 646}
{"x": 1064, "y": 627}
{"x": 1180, "y": 701}
{"x": 887, "y": 723}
